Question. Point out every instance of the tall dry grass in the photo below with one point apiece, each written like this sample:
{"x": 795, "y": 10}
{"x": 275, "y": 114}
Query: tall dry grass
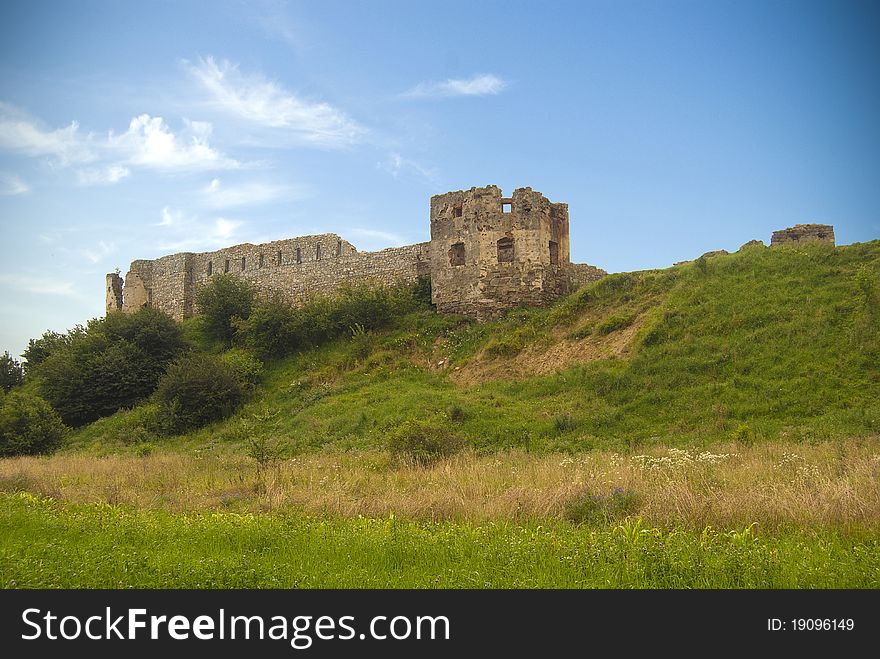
{"x": 831, "y": 484}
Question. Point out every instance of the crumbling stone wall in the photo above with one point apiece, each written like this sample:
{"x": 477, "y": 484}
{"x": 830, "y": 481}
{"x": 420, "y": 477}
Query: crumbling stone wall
{"x": 293, "y": 268}
{"x": 490, "y": 253}
{"x": 487, "y": 254}
{"x": 804, "y": 233}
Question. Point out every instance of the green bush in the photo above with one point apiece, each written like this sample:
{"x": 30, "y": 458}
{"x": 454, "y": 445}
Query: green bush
{"x": 246, "y": 368}
{"x": 424, "y": 441}
{"x": 38, "y": 350}
{"x": 197, "y": 390}
{"x": 273, "y": 329}
{"x": 115, "y": 363}
{"x": 224, "y": 299}
{"x": 28, "y": 425}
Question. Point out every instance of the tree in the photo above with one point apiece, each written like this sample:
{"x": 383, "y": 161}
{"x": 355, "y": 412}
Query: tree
{"x": 114, "y": 363}
{"x": 196, "y": 390}
{"x": 10, "y": 372}
{"x": 224, "y": 299}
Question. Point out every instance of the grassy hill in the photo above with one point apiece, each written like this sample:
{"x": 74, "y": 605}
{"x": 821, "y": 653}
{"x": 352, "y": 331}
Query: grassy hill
{"x": 761, "y": 344}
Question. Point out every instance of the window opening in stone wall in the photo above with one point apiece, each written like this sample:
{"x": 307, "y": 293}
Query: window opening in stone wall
{"x": 318, "y": 253}
{"x": 456, "y": 254}
{"x": 456, "y": 210}
{"x": 279, "y": 258}
{"x": 261, "y": 260}
{"x": 299, "y": 255}
{"x": 243, "y": 263}
{"x": 505, "y": 250}
{"x": 506, "y": 206}
{"x": 210, "y": 268}
{"x": 554, "y": 253}
{"x": 226, "y": 266}
{"x": 339, "y": 248}
{"x": 820, "y": 236}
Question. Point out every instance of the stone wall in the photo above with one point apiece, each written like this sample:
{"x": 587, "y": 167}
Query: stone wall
{"x": 490, "y": 253}
{"x": 582, "y": 273}
{"x": 293, "y": 268}
{"x": 804, "y": 233}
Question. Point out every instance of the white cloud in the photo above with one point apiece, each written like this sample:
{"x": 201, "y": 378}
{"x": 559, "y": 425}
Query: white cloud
{"x": 379, "y": 239}
{"x": 149, "y": 142}
{"x": 104, "y": 176}
{"x": 10, "y": 184}
{"x": 100, "y": 251}
{"x": 189, "y": 232}
{"x": 39, "y": 285}
{"x": 216, "y": 195}
{"x": 21, "y": 134}
{"x": 397, "y": 165}
{"x": 268, "y": 104}
{"x": 479, "y": 85}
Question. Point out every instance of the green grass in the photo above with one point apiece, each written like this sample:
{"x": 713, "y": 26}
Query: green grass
{"x": 783, "y": 340}
{"x": 52, "y": 545}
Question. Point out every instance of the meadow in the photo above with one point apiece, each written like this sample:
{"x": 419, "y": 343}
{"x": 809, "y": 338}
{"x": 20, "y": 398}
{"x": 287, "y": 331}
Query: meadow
{"x": 710, "y": 425}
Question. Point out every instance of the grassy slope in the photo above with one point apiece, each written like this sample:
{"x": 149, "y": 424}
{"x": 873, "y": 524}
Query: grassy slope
{"x": 772, "y": 343}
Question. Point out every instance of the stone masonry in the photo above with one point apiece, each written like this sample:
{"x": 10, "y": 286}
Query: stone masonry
{"x": 487, "y": 253}
{"x": 804, "y": 233}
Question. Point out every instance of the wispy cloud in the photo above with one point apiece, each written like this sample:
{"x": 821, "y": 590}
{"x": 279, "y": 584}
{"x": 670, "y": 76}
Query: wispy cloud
{"x": 184, "y": 232}
{"x": 216, "y": 195}
{"x": 21, "y": 134}
{"x": 104, "y": 176}
{"x": 99, "y": 251}
{"x": 398, "y": 165}
{"x": 379, "y": 239}
{"x": 484, "y": 84}
{"x": 10, "y": 184}
{"x": 269, "y": 104}
{"x": 39, "y": 285}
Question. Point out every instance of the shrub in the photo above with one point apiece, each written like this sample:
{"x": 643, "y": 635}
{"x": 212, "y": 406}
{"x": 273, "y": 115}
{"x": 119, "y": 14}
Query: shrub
{"x": 273, "y": 329}
{"x": 225, "y": 298}
{"x": 590, "y": 508}
{"x": 246, "y": 368}
{"x": 424, "y": 441}
{"x": 116, "y": 362}
{"x": 743, "y": 435}
{"x": 38, "y": 350}
{"x": 10, "y": 372}
{"x": 28, "y": 425}
{"x": 197, "y": 390}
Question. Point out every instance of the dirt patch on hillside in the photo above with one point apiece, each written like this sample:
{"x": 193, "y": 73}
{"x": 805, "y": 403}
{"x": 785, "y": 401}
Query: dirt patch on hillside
{"x": 535, "y": 360}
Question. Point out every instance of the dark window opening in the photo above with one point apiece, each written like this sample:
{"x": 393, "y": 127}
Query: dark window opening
{"x": 505, "y": 250}
{"x": 261, "y": 261}
{"x": 554, "y": 253}
{"x": 210, "y": 268}
{"x": 318, "y": 253}
{"x": 299, "y": 255}
{"x": 456, "y": 210}
{"x": 226, "y": 266}
{"x": 279, "y": 258}
{"x": 820, "y": 235}
{"x": 339, "y": 248}
{"x": 456, "y": 254}
{"x": 243, "y": 262}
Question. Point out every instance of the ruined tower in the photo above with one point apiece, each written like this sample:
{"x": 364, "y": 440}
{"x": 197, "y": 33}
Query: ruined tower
{"x": 490, "y": 253}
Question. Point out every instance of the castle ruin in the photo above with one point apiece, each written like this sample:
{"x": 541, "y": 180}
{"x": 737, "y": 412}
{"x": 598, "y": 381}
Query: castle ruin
{"x": 800, "y": 233}
{"x": 487, "y": 253}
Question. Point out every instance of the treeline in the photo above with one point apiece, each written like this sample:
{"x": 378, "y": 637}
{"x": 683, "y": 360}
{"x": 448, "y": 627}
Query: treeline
{"x": 193, "y": 375}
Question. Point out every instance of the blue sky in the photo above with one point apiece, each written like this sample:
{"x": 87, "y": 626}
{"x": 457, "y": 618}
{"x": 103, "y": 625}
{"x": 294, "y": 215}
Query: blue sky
{"x": 132, "y": 130}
